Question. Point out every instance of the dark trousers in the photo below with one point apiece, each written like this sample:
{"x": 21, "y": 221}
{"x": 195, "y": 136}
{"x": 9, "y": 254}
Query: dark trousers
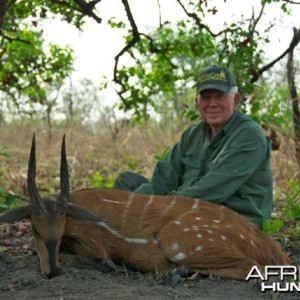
{"x": 129, "y": 181}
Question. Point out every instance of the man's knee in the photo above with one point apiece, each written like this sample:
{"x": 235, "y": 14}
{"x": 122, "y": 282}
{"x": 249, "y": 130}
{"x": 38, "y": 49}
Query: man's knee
{"x": 129, "y": 181}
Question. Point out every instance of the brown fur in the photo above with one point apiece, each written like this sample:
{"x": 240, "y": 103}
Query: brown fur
{"x": 228, "y": 244}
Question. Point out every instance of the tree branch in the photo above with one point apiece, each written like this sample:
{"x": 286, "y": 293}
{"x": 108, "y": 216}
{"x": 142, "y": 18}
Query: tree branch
{"x": 295, "y": 41}
{"x": 197, "y": 20}
{"x": 136, "y": 36}
{"x": 88, "y": 8}
{"x": 292, "y": 2}
{"x": 294, "y": 99}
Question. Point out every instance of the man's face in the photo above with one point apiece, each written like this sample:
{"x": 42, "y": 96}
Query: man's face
{"x": 217, "y": 107}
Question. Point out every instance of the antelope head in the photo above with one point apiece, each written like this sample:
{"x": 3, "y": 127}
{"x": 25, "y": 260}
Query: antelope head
{"x": 48, "y": 215}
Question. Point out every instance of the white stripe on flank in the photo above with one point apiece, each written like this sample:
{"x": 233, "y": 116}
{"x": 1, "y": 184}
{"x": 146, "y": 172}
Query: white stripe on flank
{"x": 196, "y": 203}
{"x": 165, "y": 212}
{"x": 193, "y": 208}
{"x": 127, "y": 209}
{"x": 112, "y": 201}
{"x": 144, "y": 211}
{"x": 109, "y": 229}
{"x": 119, "y": 235}
{"x": 136, "y": 241}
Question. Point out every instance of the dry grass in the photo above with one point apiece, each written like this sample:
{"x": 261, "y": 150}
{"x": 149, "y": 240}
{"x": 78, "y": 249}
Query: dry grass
{"x": 88, "y": 152}
{"x": 102, "y": 151}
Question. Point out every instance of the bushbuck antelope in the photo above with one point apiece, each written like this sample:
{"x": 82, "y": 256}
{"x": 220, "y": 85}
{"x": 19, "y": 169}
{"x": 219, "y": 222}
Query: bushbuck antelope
{"x": 146, "y": 233}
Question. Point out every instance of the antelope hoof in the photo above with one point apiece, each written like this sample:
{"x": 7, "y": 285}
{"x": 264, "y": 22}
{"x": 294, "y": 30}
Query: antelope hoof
{"x": 109, "y": 263}
{"x": 180, "y": 272}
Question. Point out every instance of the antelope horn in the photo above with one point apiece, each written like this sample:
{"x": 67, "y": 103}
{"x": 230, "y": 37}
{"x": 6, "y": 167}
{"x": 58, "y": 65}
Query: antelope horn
{"x": 62, "y": 200}
{"x": 37, "y": 204}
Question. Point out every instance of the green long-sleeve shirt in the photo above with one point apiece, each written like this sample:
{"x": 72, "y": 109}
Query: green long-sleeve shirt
{"x": 233, "y": 169}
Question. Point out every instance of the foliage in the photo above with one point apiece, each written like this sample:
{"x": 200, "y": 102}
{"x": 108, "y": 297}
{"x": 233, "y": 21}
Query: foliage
{"x": 162, "y": 155}
{"x": 165, "y": 59}
{"x": 36, "y": 10}
{"x": 8, "y": 200}
{"x": 296, "y": 231}
{"x": 290, "y": 212}
{"x": 99, "y": 181}
{"x": 31, "y": 72}
{"x": 270, "y": 102}
{"x": 270, "y": 227}
{"x": 31, "y": 75}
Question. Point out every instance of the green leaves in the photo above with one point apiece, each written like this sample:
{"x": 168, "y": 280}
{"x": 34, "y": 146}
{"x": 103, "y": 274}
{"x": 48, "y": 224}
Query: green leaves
{"x": 272, "y": 227}
{"x": 29, "y": 72}
{"x": 8, "y": 200}
{"x": 115, "y": 24}
{"x": 100, "y": 182}
{"x": 166, "y": 64}
{"x": 290, "y": 212}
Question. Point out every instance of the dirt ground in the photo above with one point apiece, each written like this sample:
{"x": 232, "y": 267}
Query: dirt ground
{"x": 87, "y": 278}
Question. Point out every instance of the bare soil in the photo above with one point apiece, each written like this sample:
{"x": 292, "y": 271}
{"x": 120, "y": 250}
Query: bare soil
{"x": 87, "y": 278}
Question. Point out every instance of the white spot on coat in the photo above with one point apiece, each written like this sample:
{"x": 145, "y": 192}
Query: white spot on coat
{"x": 199, "y": 248}
{"x": 155, "y": 242}
{"x": 180, "y": 256}
{"x": 174, "y": 246}
{"x": 223, "y": 237}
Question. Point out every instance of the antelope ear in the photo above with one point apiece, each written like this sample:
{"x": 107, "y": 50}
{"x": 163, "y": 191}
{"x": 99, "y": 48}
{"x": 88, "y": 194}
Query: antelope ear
{"x": 17, "y": 214}
{"x": 81, "y": 213}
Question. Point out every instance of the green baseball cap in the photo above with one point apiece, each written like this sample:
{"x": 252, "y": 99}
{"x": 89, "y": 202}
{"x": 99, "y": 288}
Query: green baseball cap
{"x": 217, "y": 78}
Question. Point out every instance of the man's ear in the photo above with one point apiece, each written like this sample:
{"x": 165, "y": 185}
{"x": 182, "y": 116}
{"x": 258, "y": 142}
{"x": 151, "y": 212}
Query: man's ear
{"x": 237, "y": 99}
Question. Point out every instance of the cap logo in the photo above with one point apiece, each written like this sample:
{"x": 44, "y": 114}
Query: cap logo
{"x": 213, "y": 76}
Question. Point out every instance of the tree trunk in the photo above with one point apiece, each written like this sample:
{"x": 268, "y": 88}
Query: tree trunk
{"x": 294, "y": 99}
{"x": 3, "y": 6}
{"x": 49, "y": 122}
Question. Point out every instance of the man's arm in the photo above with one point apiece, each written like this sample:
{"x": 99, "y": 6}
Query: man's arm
{"x": 230, "y": 169}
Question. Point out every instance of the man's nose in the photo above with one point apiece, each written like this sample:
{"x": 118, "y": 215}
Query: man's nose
{"x": 213, "y": 101}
